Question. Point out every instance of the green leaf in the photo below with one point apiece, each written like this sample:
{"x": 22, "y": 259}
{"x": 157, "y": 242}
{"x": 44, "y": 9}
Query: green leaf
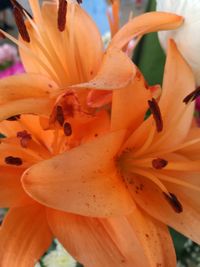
{"x": 149, "y": 56}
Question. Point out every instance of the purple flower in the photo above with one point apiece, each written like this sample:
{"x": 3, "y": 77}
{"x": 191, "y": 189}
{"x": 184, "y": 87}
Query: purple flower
{"x": 16, "y": 68}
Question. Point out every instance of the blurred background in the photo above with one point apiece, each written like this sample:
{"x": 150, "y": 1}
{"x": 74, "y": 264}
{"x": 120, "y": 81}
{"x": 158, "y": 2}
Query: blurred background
{"x": 148, "y": 56}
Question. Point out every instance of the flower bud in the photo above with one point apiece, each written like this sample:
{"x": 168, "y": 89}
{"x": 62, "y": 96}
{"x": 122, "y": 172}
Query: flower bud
{"x": 187, "y": 37}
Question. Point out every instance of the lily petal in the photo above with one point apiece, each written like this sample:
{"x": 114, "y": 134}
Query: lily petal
{"x": 11, "y": 191}
{"x": 26, "y": 93}
{"x": 26, "y": 86}
{"x": 39, "y": 106}
{"x": 130, "y": 104}
{"x": 48, "y": 43}
{"x": 152, "y": 200}
{"x": 26, "y": 236}
{"x": 135, "y": 240}
{"x": 83, "y": 180}
{"x": 145, "y": 23}
{"x": 178, "y": 82}
{"x": 112, "y": 75}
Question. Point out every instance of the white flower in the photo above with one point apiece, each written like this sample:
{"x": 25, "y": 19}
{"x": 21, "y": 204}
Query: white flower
{"x": 187, "y": 37}
{"x": 59, "y": 258}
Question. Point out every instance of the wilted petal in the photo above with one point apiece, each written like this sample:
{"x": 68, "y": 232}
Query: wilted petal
{"x": 25, "y": 236}
{"x": 135, "y": 240}
{"x": 83, "y": 180}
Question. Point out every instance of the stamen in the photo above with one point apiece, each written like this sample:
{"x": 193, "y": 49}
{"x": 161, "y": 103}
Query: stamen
{"x": 13, "y": 118}
{"x": 60, "y": 115}
{"x": 192, "y": 96}
{"x": 79, "y": 2}
{"x": 67, "y": 129}
{"x": 174, "y": 202}
{"x": 13, "y": 161}
{"x": 18, "y": 15}
{"x": 25, "y": 137}
{"x": 159, "y": 163}
{"x": 62, "y": 13}
{"x": 18, "y": 5}
{"x": 153, "y": 105}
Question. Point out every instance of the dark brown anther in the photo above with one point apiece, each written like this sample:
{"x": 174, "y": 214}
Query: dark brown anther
{"x": 62, "y": 14}
{"x": 67, "y": 129}
{"x": 13, "y": 161}
{"x": 159, "y": 163}
{"x": 192, "y": 96}
{"x": 20, "y": 7}
{"x": 79, "y": 2}
{"x": 155, "y": 110}
{"x": 13, "y": 118}
{"x": 18, "y": 15}
{"x": 60, "y": 115}
{"x": 174, "y": 202}
{"x": 24, "y": 137}
{"x": 2, "y": 35}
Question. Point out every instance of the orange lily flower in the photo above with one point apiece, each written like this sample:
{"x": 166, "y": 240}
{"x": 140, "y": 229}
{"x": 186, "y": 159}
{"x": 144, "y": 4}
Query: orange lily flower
{"x": 145, "y": 171}
{"x": 60, "y": 49}
{"x": 72, "y": 185}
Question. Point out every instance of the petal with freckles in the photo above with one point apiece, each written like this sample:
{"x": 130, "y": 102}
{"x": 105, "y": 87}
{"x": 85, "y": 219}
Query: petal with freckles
{"x": 116, "y": 71}
{"x": 136, "y": 240}
{"x": 148, "y": 22}
{"x": 83, "y": 180}
{"x": 152, "y": 200}
{"x": 25, "y": 236}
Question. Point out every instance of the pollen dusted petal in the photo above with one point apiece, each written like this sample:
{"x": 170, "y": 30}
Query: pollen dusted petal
{"x": 26, "y": 236}
{"x": 111, "y": 75}
{"x": 148, "y": 22}
{"x": 83, "y": 180}
{"x": 135, "y": 240}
